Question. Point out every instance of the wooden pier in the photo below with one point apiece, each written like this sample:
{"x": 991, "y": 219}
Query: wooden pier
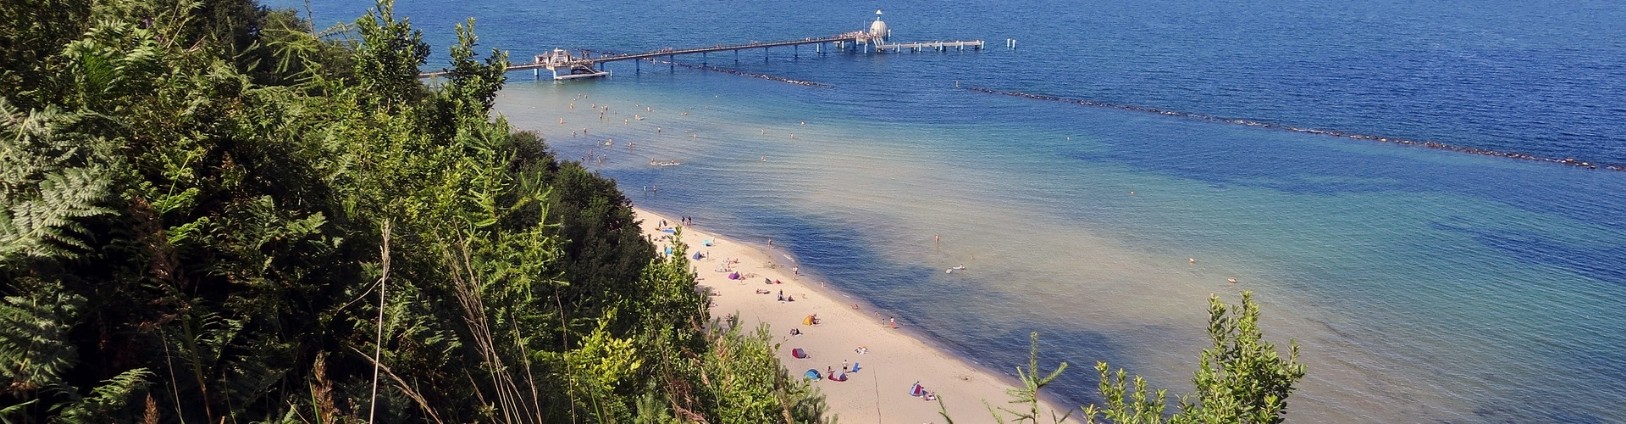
{"x": 871, "y": 40}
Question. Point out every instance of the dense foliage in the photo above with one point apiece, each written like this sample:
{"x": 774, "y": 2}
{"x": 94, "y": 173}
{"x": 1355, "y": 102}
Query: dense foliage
{"x": 211, "y": 212}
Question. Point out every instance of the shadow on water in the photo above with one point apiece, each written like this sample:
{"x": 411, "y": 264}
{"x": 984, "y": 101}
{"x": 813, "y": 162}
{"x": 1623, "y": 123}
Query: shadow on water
{"x": 1600, "y": 263}
{"x": 1291, "y": 164}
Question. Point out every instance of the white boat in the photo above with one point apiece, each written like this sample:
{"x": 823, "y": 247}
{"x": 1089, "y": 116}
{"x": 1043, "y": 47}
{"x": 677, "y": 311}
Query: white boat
{"x": 574, "y": 68}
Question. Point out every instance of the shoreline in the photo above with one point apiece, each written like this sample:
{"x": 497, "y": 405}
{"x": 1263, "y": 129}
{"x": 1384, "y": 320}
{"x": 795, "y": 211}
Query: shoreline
{"x": 897, "y": 356}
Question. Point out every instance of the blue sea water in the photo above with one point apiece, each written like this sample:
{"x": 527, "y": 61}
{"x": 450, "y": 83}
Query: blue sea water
{"x": 1422, "y": 285}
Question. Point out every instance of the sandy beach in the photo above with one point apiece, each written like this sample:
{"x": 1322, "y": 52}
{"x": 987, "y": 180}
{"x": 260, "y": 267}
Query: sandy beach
{"x": 891, "y": 361}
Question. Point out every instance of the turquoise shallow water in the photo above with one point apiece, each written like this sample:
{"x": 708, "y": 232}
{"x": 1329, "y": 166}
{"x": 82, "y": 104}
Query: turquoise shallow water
{"x": 1423, "y": 285}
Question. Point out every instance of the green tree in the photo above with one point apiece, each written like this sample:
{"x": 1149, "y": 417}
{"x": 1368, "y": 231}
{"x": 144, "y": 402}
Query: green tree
{"x": 209, "y": 213}
{"x": 1241, "y": 378}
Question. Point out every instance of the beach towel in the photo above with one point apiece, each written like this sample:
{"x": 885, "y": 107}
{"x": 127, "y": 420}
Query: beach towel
{"x": 669, "y": 230}
{"x": 799, "y": 353}
{"x": 708, "y": 242}
{"x": 811, "y": 375}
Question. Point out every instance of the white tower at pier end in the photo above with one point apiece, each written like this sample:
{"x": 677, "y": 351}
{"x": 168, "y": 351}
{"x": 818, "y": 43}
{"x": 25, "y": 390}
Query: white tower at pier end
{"x": 877, "y": 30}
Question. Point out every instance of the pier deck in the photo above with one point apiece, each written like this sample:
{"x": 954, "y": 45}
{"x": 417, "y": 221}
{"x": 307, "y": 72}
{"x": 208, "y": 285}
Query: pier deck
{"x": 872, "y": 40}
{"x": 929, "y": 45}
{"x": 538, "y": 63}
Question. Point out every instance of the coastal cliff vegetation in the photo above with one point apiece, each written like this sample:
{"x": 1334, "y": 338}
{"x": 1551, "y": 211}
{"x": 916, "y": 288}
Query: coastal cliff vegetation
{"x": 215, "y": 212}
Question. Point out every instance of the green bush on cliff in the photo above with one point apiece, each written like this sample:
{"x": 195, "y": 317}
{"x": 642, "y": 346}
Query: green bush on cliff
{"x": 210, "y": 212}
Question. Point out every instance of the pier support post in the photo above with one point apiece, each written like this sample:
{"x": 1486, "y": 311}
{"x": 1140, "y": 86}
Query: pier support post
{"x": 671, "y": 62}
{"x": 702, "y": 59}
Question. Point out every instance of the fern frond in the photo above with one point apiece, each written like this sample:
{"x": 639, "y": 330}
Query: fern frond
{"x": 34, "y": 351}
{"x": 114, "y": 394}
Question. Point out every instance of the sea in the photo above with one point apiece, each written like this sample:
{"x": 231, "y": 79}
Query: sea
{"x": 1157, "y": 162}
